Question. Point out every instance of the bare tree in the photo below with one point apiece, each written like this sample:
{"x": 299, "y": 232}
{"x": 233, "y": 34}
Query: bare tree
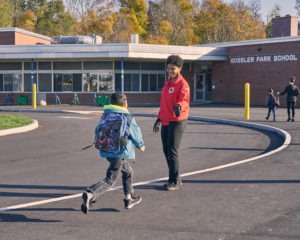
{"x": 255, "y": 7}
{"x": 297, "y": 7}
{"x": 79, "y": 7}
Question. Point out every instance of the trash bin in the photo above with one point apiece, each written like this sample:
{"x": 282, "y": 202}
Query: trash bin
{"x": 22, "y": 100}
{"x": 102, "y": 100}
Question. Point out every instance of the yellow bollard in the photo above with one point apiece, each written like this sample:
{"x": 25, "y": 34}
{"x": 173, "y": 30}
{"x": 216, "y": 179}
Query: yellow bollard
{"x": 247, "y": 101}
{"x": 34, "y": 96}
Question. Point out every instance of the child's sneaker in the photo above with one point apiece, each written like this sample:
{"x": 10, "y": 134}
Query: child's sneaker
{"x": 129, "y": 203}
{"x": 173, "y": 187}
{"x": 86, "y": 202}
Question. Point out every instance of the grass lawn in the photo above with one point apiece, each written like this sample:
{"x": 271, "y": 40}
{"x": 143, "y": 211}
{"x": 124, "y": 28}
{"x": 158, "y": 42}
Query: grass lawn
{"x": 12, "y": 121}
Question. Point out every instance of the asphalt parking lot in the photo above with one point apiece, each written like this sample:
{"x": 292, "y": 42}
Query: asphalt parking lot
{"x": 44, "y": 171}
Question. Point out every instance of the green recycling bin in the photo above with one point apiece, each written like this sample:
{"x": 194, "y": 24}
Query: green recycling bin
{"x": 102, "y": 100}
{"x": 22, "y": 100}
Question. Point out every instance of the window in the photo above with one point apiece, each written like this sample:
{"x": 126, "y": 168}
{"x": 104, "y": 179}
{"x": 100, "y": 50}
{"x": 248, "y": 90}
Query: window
{"x": 77, "y": 82}
{"x": 161, "y": 80}
{"x": 127, "y": 82}
{"x": 67, "y": 66}
{"x": 135, "y": 82}
{"x": 152, "y": 82}
{"x": 131, "y": 82}
{"x": 90, "y": 65}
{"x": 12, "y": 82}
{"x": 44, "y": 65}
{"x": 27, "y": 82}
{"x": 105, "y": 82}
{"x": 45, "y": 82}
{"x": 128, "y": 65}
{"x": 57, "y": 82}
{"x": 11, "y": 66}
{"x": 145, "y": 82}
{"x": 153, "y": 66}
{"x": 90, "y": 82}
{"x": 118, "y": 82}
{"x": 1, "y": 82}
{"x": 67, "y": 82}
{"x": 27, "y": 66}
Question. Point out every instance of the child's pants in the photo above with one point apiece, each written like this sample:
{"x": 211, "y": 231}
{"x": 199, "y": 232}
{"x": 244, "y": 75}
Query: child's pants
{"x": 116, "y": 166}
{"x": 271, "y": 109}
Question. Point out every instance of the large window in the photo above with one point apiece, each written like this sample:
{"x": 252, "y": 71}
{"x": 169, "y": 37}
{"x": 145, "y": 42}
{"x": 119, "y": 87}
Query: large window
{"x": 45, "y": 82}
{"x": 12, "y": 82}
{"x": 1, "y": 82}
{"x": 28, "y": 82}
{"x": 98, "y": 82}
{"x": 131, "y": 82}
{"x": 105, "y": 82}
{"x": 152, "y": 82}
{"x": 10, "y": 66}
{"x": 65, "y": 82}
{"x": 90, "y": 82}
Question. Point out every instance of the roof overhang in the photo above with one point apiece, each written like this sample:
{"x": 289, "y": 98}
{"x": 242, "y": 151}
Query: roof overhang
{"x": 111, "y": 50}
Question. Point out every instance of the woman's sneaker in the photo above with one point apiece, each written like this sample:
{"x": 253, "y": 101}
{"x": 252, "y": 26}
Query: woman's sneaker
{"x": 129, "y": 203}
{"x": 86, "y": 202}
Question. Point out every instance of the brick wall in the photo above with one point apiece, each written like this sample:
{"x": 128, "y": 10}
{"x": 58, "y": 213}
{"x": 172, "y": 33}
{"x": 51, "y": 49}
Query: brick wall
{"x": 7, "y": 38}
{"x": 261, "y": 68}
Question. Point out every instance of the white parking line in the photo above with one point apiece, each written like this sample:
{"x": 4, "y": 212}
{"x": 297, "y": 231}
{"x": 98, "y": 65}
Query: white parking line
{"x": 67, "y": 117}
{"x": 287, "y": 141}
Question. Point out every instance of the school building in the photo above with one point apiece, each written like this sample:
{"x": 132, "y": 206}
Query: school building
{"x": 85, "y": 66}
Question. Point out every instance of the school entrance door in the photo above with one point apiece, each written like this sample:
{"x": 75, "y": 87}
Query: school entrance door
{"x": 202, "y": 87}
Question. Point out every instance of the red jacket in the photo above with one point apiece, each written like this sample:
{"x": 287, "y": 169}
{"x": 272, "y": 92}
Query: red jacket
{"x": 173, "y": 93}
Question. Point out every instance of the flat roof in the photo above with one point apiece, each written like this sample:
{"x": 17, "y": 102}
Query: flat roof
{"x": 253, "y": 42}
{"x": 111, "y": 50}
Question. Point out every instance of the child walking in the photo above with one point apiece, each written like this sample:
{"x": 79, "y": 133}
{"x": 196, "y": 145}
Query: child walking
{"x": 271, "y": 103}
{"x": 118, "y": 162}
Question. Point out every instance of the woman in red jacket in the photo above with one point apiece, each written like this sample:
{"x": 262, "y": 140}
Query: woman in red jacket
{"x": 173, "y": 114}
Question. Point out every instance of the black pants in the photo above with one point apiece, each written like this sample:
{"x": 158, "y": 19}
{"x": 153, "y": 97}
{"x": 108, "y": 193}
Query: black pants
{"x": 171, "y": 136}
{"x": 290, "y": 105}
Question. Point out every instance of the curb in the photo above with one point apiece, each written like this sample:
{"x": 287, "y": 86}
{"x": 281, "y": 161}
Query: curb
{"x": 26, "y": 128}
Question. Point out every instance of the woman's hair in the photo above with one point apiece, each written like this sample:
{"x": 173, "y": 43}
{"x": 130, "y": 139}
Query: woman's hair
{"x": 175, "y": 59}
{"x": 118, "y": 99}
{"x": 270, "y": 90}
{"x": 293, "y": 79}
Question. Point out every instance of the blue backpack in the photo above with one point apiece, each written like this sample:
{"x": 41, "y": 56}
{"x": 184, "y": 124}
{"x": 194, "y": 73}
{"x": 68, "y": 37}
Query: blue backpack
{"x": 111, "y": 133}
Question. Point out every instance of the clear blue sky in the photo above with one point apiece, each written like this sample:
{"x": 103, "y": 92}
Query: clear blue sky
{"x": 286, "y": 6}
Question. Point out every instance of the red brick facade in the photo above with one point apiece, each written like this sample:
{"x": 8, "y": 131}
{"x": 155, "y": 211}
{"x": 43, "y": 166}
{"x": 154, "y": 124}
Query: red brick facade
{"x": 264, "y": 66}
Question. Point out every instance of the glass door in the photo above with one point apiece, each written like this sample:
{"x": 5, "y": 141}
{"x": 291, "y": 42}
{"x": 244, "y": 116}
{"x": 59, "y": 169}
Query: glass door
{"x": 200, "y": 87}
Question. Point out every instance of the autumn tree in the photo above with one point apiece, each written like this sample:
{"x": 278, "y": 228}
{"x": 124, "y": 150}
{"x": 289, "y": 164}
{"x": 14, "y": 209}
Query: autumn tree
{"x": 52, "y": 20}
{"x": 6, "y": 14}
{"x": 133, "y": 13}
{"x": 219, "y": 22}
{"x": 99, "y": 22}
{"x": 247, "y": 24}
{"x": 171, "y": 21}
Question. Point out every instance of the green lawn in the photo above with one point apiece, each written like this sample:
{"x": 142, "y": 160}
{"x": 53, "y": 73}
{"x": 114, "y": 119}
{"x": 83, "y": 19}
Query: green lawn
{"x": 12, "y": 121}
